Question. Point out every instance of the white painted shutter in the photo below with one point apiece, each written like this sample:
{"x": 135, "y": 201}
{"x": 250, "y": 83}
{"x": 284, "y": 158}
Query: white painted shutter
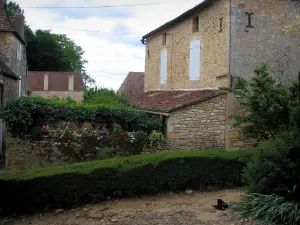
{"x": 195, "y": 60}
{"x": 163, "y": 67}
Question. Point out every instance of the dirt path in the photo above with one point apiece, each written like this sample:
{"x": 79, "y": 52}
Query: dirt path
{"x": 167, "y": 209}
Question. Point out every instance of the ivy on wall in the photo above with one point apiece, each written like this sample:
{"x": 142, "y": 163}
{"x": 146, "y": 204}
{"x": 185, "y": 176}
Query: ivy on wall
{"x": 23, "y": 113}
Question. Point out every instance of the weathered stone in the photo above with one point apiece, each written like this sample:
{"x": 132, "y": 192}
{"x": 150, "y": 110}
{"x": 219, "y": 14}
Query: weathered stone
{"x": 189, "y": 192}
{"x": 58, "y": 211}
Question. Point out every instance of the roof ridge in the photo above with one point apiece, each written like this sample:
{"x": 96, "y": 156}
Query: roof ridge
{"x": 202, "y": 5}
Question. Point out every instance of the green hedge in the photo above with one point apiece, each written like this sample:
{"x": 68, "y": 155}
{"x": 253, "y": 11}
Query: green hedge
{"x": 75, "y": 184}
{"x": 21, "y": 113}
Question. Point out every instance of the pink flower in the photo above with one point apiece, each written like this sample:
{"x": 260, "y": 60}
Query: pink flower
{"x": 101, "y": 131}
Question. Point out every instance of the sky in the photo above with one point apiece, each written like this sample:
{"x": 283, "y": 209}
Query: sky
{"x": 110, "y": 36}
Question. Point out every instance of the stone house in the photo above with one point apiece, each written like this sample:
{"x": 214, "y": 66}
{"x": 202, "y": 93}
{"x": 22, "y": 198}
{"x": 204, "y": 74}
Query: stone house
{"x": 133, "y": 84}
{"x": 58, "y": 84}
{"x": 13, "y": 63}
{"x": 207, "y": 47}
{"x": 13, "y": 58}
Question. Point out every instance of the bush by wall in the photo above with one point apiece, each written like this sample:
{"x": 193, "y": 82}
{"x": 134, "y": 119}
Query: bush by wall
{"x": 276, "y": 167}
{"x": 71, "y": 185}
{"x": 25, "y": 112}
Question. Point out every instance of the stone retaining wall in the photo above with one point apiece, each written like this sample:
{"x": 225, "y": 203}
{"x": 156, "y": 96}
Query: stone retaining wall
{"x": 200, "y": 126}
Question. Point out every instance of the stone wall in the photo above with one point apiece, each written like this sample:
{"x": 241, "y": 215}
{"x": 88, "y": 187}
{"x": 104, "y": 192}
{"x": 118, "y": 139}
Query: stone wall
{"x": 266, "y": 41}
{"x": 76, "y": 95}
{"x": 9, "y": 44}
{"x": 24, "y": 154}
{"x": 234, "y": 137}
{"x": 214, "y": 51}
{"x": 200, "y": 126}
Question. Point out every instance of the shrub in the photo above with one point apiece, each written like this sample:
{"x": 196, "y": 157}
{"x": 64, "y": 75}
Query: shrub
{"x": 80, "y": 145}
{"x": 84, "y": 183}
{"x": 105, "y": 96}
{"x": 25, "y": 112}
{"x": 269, "y": 105}
{"x": 268, "y": 209}
{"x": 276, "y": 167}
{"x": 156, "y": 140}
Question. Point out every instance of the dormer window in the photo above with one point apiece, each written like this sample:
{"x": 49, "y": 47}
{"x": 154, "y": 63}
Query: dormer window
{"x": 164, "y": 40}
{"x": 196, "y": 24}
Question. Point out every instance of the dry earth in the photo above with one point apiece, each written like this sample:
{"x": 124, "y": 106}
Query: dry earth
{"x": 190, "y": 208}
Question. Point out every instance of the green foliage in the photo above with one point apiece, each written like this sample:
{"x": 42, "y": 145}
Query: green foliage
{"x": 131, "y": 143}
{"x": 276, "y": 167}
{"x": 84, "y": 183}
{"x": 12, "y": 8}
{"x": 269, "y": 105}
{"x": 22, "y": 113}
{"x": 156, "y": 140}
{"x": 268, "y": 209}
{"x": 80, "y": 145}
{"x": 47, "y": 51}
{"x": 105, "y": 96}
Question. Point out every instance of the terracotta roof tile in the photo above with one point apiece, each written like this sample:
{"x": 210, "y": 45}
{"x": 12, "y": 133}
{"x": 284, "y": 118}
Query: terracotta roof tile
{"x": 133, "y": 83}
{"x": 57, "y": 81}
{"x": 168, "y": 101}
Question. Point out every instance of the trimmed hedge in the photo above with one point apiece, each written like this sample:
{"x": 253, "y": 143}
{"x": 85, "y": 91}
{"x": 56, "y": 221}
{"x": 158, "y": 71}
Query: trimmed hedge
{"x": 24, "y": 112}
{"x": 91, "y": 182}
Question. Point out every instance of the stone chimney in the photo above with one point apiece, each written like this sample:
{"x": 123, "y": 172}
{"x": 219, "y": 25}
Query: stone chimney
{"x": 18, "y": 21}
{"x": 71, "y": 82}
{"x": 2, "y": 11}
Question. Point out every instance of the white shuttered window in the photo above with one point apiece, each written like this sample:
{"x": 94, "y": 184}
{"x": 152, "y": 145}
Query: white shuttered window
{"x": 195, "y": 60}
{"x": 163, "y": 67}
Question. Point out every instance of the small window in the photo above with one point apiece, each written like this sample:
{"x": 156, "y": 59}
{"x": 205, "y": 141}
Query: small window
{"x": 196, "y": 24}
{"x": 164, "y": 41}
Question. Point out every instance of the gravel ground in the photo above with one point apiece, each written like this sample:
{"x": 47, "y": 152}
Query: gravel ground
{"x": 189, "y": 208}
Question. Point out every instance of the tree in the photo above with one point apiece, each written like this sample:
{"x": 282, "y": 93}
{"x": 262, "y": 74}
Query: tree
{"x": 11, "y": 8}
{"x": 47, "y": 51}
{"x": 270, "y": 106}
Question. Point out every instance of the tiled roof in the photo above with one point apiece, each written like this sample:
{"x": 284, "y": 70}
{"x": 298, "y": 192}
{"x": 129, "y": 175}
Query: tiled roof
{"x": 204, "y": 4}
{"x": 5, "y": 70}
{"x": 133, "y": 84}
{"x": 57, "y": 81}
{"x": 168, "y": 101}
{"x": 6, "y": 24}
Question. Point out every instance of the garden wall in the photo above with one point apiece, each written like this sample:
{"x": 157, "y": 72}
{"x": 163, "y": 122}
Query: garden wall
{"x": 41, "y": 152}
{"x": 26, "y": 154}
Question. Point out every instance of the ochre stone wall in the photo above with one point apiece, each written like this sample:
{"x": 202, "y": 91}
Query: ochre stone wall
{"x": 76, "y": 95}
{"x": 214, "y": 52}
{"x": 234, "y": 137}
{"x": 200, "y": 126}
{"x": 266, "y": 41}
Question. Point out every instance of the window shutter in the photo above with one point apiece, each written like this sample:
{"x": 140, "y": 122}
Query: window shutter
{"x": 195, "y": 60}
{"x": 163, "y": 67}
